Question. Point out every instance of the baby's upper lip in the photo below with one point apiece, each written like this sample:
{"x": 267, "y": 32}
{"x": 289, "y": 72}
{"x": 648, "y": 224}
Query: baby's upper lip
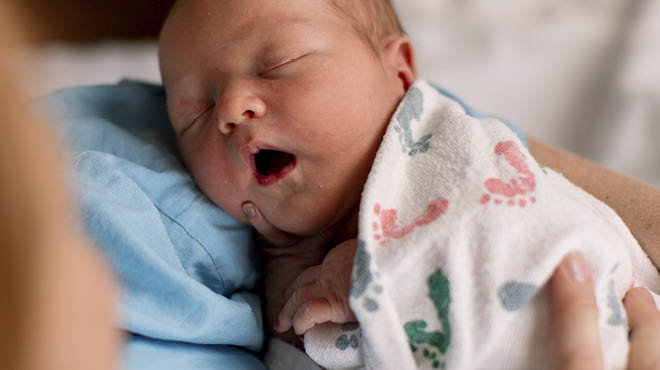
{"x": 251, "y": 148}
{"x": 247, "y": 152}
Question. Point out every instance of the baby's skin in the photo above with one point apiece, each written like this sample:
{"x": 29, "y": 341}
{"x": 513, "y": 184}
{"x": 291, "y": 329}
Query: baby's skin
{"x": 310, "y": 285}
{"x": 304, "y": 284}
{"x": 320, "y": 293}
{"x": 279, "y": 109}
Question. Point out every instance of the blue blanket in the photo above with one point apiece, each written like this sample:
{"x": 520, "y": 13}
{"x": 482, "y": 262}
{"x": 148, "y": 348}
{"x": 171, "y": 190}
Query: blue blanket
{"x": 185, "y": 268}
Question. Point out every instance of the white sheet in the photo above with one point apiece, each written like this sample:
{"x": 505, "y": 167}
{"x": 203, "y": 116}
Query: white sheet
{"x": 580, "y": 74}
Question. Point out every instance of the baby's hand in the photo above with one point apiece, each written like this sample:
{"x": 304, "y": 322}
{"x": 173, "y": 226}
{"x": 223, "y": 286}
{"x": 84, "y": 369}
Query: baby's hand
{"x": 286, "y": 257}
{"x": 320, "y": 293}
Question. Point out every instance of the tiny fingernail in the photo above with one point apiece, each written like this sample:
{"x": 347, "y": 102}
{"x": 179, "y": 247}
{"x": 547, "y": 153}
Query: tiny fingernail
{"x": 249, "y": 210}
{"x": 578, "y": 268}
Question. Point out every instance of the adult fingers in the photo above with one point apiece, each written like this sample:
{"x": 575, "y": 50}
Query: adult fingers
{"x": 644, "y": 321}
{"x": 575, "y": 334}
{"x": 266, "y": 230}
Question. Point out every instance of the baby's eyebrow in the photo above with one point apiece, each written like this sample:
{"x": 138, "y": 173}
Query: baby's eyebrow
{"x": 287, "y": 22}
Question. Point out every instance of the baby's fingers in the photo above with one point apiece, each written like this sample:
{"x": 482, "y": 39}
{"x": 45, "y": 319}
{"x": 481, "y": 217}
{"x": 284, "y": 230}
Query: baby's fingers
{"x": 318, "y": 311}
{"x": 294, "y": 303}
{"x": 308, "y": 276}
{"x": 644, "y": 319}
{"x": 575, "y": 335}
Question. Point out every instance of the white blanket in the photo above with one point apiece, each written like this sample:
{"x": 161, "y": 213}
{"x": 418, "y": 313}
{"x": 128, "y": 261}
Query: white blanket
{"x": 459, "y": 231}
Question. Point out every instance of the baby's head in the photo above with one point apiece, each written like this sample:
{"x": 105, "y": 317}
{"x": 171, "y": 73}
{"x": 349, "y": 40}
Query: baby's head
{"x": 283, "y": 103}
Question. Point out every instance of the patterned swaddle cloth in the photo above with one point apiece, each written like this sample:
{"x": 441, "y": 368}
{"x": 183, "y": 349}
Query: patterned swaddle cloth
{"x": 460, "y": 229}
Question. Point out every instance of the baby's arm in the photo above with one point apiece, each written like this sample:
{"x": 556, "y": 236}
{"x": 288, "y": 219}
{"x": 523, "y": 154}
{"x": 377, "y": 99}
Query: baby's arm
{"x": 636, "y": 203}
{"x": 321, "y": 293}
{"x": 286, "y": 257}
{"x": 280, "y": 270}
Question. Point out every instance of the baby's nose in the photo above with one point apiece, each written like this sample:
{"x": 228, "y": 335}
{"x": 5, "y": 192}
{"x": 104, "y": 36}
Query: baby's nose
{"x": 227, "y": 127}
{"x": 238, "y": 109}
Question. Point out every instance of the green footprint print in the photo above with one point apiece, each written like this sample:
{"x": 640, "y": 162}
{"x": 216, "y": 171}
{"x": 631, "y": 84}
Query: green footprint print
{"x": 434, "y": 343}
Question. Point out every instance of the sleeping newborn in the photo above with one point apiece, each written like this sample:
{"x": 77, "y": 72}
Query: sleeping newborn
{"x": 305, "y": 119}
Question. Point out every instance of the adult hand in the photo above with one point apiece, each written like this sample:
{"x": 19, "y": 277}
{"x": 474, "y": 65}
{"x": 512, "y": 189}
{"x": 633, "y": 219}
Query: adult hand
{"x": 576, "y": 339}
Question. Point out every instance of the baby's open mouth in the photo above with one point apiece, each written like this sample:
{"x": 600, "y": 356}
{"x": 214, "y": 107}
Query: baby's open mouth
{"x": 271, "y": 165}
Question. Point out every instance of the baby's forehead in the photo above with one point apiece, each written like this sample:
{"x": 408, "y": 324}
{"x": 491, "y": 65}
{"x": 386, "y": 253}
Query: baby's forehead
{"x": 201, "y": 11}
{"x": 224, "y": 34}
{"x": 219, "y": 23}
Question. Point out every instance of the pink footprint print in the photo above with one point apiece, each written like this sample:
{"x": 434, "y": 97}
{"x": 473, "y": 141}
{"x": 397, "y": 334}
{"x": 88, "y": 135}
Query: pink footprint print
{"x": 388, "y": 221}
{"x": 518, "y": 191}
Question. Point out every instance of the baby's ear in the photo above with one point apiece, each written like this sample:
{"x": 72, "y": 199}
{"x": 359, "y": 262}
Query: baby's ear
{"x": 399, "y": 60}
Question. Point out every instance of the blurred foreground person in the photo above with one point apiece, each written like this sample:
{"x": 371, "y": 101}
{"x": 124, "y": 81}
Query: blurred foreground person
{"x": 56, "y": 311}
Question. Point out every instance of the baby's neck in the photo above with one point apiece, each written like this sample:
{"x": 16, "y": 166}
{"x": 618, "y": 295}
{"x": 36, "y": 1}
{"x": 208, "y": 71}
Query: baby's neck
{"x": 348, "y": 227}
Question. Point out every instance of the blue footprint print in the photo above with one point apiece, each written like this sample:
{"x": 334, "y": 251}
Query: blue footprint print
{"x": 412, "y": 109}
{"x": 350, "y": 337}
{"x": 362, "y": 277}
{"x": 514, "y": 295}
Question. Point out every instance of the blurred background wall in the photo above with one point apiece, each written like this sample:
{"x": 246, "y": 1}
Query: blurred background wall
{"x": 580, "y": 74}
{"x": 94, "y": 20}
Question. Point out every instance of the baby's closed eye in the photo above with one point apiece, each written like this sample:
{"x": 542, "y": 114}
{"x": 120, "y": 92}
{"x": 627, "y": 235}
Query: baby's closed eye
{"x": 271, "y": 67}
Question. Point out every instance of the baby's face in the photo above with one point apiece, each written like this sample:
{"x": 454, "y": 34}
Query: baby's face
{"x": 280, "y": 103}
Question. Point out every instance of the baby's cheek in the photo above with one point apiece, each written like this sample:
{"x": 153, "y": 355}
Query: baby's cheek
{"x": 225, "y": 198}
{"x": 211, "y": 176}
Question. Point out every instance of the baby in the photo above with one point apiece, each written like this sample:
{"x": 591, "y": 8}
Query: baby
{"x": 280, "y": 108}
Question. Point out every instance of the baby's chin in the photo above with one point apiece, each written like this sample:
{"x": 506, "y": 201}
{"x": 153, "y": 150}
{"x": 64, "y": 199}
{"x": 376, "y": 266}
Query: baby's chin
{"x": 303, "y": 228}
{"x": 283, "y": 222}
{"x": 290, "y": 223}
{"x": 303, "y": 219}
{"x": 346, "y": 225}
